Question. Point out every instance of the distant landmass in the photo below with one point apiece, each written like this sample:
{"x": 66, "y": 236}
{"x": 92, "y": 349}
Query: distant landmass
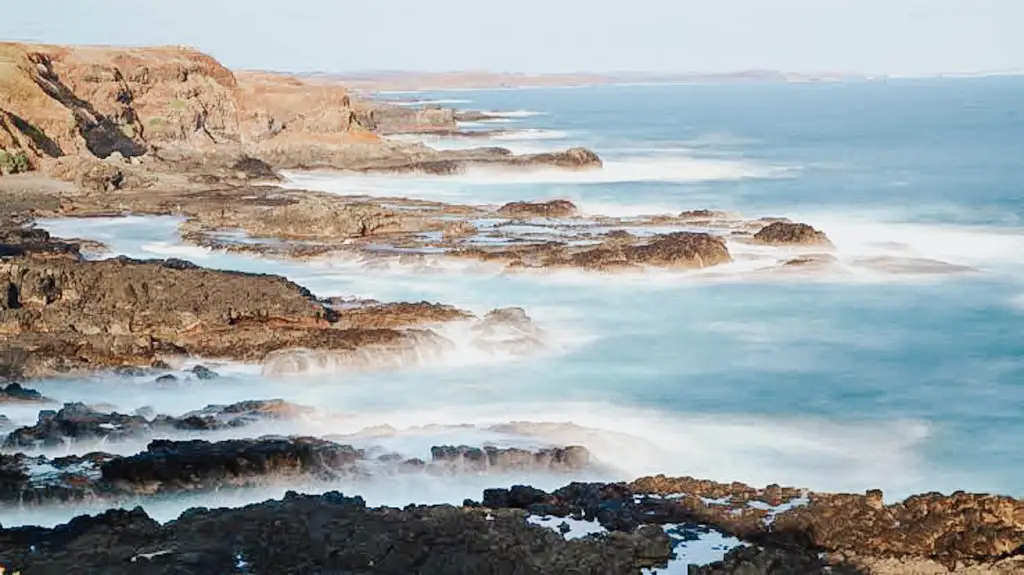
{"x": 393, "y": 80}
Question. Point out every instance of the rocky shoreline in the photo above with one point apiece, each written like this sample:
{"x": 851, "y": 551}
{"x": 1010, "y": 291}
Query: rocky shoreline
{"x": 91, "y": 132}
{"x": 635, "y": 527}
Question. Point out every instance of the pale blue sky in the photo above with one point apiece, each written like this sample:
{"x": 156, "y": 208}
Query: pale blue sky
{"x": 871, "y": 36}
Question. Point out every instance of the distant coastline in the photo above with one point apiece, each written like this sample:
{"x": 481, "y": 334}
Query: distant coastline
{"x": 396, "y": 81}
{"x": 403, "y": 81}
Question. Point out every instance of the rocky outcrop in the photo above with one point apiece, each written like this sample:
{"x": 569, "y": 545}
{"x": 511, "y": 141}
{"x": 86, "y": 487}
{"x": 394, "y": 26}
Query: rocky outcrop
{"x": 788, "y": 233}
{"x": 575, "y": 158}
{"x": 170, "y": 466}
{"x": 929, "y": 533}
{"x": 646, "y": 526}
{"x": 549, "y": 209}
{"x": 677, "y": 250}
{"x": 15, "y": 393}
{"x": 327, "y": 533}
{"x": 68, "y": 315}
{"x": 77, "y": 422}
{"x": 181, "y": 110}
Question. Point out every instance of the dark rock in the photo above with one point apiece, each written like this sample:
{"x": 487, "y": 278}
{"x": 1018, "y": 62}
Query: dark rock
{"x": 506, "y": 459}
{"x": 255, "y": 169}
{"x": 204, "y": 373}
{"x": 330, "y": 533}
{"x": 190, "y": 465}
{"x": 76, "y": 421}
{"x": 757, "y": 560}
{"x": 167, "y": 378}
{"x": 15, "y": 393}
{"x": 702, "y": 215}
{"x": 129, "y": 371}
{"x": 239, "y": 414}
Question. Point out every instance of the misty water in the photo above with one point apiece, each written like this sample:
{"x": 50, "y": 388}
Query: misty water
{"x": 901, "y": 377}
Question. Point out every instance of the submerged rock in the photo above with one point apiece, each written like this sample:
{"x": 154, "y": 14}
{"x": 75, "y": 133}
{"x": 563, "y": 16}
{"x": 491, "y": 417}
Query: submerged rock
{"x": 204, "y": 373}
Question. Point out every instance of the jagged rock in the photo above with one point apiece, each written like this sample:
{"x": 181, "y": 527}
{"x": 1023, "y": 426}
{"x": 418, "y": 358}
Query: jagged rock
{"x": 68, "y": 315}
{"x": 571, "y": 458}
{"x": 15, "y": 393}
{"x": 701, "y": 215}
{"x": 548, "y": 209}
{"x": 326, "y": 533}
{"x": 188, "y": 465}
{"x": 76, "y": 421}
{"x": 204, "y": 373}
{"x": 239, "y": 414}
{"x": 787, "y": 233}
{"x": 169, "y": 466}
{"x": 757, "y": 560}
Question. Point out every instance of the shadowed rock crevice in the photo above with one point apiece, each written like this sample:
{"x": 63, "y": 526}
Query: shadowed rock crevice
{"x": 38, "y": 141}
{"x": 102, "y": 135}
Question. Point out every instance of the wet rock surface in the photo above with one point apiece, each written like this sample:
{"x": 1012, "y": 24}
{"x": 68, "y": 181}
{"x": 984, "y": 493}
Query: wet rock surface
{"x": 169, "y": 467}
{"x": 69, "y": 314}
{"x": 79, "y": 423}
{"x": 644, "y": 527}
{"x": 322, "y": 534}
{"x": 15, "y": 393}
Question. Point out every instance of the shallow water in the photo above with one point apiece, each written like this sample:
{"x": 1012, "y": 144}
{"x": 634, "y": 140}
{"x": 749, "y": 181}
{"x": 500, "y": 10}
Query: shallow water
{"x": 874, "y": 376}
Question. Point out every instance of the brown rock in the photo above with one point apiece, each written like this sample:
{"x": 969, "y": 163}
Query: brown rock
{"x": 786, "y": 233}
{"x": 70, "y": 315}
{"x": 548, "y": 209}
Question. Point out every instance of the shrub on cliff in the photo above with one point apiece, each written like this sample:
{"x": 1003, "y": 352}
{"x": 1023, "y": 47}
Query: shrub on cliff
{"x": 14, "y": 162}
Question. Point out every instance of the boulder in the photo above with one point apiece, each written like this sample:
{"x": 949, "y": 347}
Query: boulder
{"x": 546, "y": 209}
{"x": 788, "y": 233}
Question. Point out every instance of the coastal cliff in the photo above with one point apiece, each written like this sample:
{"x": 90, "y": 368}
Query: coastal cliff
{"x": 180, "y": 105}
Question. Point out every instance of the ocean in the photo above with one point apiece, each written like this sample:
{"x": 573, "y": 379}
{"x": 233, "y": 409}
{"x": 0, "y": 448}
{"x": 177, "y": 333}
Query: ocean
{"x": 876, "y": 376}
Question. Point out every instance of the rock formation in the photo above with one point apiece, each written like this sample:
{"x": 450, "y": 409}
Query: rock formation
{"x": 787, "y": 233}
{"x": 179, "y": 106}
{"x": 172, "y": 466}
{"x": 549, "y": 209}
{"x": 66, "y": 314}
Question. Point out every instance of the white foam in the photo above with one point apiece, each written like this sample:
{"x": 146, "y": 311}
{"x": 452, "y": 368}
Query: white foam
{"x": 464, "y": 186}
{"x": 514, "y": 114}
{"x": 1017, "y": 302}
{"x": 574, "y": 528}
{"x": 871, "y": 237}
{"x": 531, "y": 134}
{"x": 708, "y": 548}
{"x": 177, "y": 250}
{"x": 436, "y": 102}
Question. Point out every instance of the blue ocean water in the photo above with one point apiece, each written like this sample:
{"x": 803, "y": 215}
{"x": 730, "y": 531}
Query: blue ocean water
{"x": 852, "y": 381}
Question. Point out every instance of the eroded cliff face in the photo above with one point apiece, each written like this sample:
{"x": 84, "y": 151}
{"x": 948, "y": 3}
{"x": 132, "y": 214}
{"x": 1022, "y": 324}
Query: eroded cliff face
{"x": 57, "y": 101}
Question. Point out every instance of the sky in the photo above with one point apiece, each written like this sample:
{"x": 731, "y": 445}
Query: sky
{"x": 897, "y": 37}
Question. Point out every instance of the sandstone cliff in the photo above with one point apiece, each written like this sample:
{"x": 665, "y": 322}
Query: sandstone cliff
{"x": 57, "y": 101}
{"x": 179, "y": 105}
